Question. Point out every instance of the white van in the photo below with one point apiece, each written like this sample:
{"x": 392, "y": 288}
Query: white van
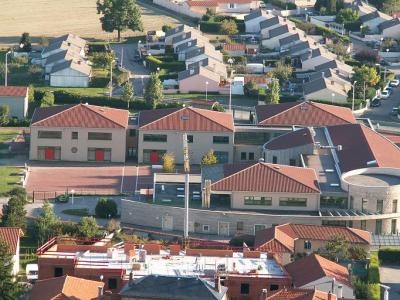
{"x": 32, "y": 272}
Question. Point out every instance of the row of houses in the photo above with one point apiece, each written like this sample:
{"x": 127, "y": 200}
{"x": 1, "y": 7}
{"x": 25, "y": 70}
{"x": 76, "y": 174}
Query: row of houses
{"x": 309, "y": 171}
{"x": 324, "y": 76}
{"x": 65, "y": 63}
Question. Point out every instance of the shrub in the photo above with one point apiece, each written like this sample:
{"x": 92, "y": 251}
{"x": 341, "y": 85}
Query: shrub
{"x": 238, "y": 241}
{"x": 373, "y": 292}
{"x": 106, "y": 208}
{"x": 389, "y": 255}
{"x": 373, "y": 270}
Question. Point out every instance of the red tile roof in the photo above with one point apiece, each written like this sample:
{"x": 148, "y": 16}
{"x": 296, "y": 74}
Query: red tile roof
{"x": 394, "y": 138}
{"x": 186, "y": 119}
{"x": 317, "y": 267}
{"x": 263, "y": 177}
{"x": 65, "y": 287}
{"x": 292, "y": 139}
{"x": 234, "y": 47}
{"x": 11, "y": 236}
{"x": 303, "y": 113}
{"x": 13, "y": 91}
{"x": 256, "y": 79}
{"x": 301, "y": 294}
{"x": 80, "y": 116}
{"x": 214, "y": 3}
{"x": 368, "y": 144}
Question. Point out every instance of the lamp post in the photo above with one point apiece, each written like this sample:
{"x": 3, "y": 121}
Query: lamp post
{"x": 72, "y": 197}
{"x": 354, "y": 87}
{"x": 384, "y": 74}
{"x": 6, "y": 70}
{"x": 142, "y": 84}
{"x": 333, "y": 96}
{"x": 206, "y": 90}
{"x": 230, "y": 96}
{"x": 111, "y": 70}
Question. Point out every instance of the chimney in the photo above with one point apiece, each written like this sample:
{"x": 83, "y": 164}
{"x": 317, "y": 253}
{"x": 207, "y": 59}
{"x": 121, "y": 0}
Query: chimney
{"x": 333, "y": 285}
{"x": 329, "y": 295}
{"x": 100, "y": 289}
{"x": 323, "y": 74}
{"x": 217, "y": 286}
{"x": 340, "y": 291}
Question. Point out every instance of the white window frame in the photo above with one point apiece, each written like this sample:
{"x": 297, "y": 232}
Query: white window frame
{"x": 206, "y": 226}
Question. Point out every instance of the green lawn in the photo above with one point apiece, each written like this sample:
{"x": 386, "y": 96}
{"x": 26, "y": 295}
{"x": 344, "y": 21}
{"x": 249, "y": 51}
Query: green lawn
{"x": 77, "y": 91}
{"x": 82, "y": 212}
{"x": 27, "y": 252}
{"x": 7, "y": 135}
{"x": 10, "y": 176}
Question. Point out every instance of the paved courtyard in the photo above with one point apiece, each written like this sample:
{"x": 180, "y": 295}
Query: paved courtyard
{"x": 390, "y": 276}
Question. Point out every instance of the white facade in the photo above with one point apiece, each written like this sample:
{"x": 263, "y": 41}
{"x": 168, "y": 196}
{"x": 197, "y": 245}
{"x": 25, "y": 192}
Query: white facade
{"x": 18, "y": 105}
{"x": 69, "y": 78}
{"x": 15, "y": 259}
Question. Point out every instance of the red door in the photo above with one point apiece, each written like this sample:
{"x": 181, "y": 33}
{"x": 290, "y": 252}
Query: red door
{"x": 154, "y": 157}
{"x": 49, "y": 153}
{"x": 99, "y": 155}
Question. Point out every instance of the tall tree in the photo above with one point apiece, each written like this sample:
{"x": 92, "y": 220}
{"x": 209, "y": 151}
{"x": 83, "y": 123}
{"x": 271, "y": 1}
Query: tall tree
{"x": 229, "y": 27}
{"x": 119, "y": 15}
{"x": 47, "y": 224}
{"x": 168, "y": 162}
{"x": 272, "y": 93}
{"x": 346, "y": 15}
{"x": 283, "y": 71}
{"x": 14, "y": 213}
{"x": 128, "y": 92}
{"x": 4, "y": 114}
{"x": 25, "y": 44}
{"x": 47, "y": 99}
{"x": 9, "y": 288}
{"x": 391, "y": 6}
{"x": 103, "y": 59}
{"x": 366, "y": 74}
{"x": 88, "y": 227}
{"x": 153, "y": 94}
{"x": 209, "y": 158}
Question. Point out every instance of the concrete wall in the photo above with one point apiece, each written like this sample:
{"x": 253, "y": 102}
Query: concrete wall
{"x": 69, "y": 78}
{"x": 117, "y": 144}
{"x": 392, "y": 32}
{"x": 238, "y": 149}
{"x": 253, "y": 26}
{"x": 326, "y": 94}
{"x": 285, "y": 155}
{"x": 135, "y": 212}
{"x": 15, "y": 260}
{"x": 197, "y": 83}
{"x": 18, "y": 105}
{"x": 180, "y": 8}
{"x": 202, "y": 142}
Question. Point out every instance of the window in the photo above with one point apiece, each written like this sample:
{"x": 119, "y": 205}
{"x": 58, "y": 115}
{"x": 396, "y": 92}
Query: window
{"x": 132, "y": 132}
{"x": 274, "y": 287}
{"x": 155, "y": 138}
{"x": 378, "y": 227}
{"x": 151, "y": 156}
{"x": 239, "y": 226}
{"x": 222, "y": 156}
{"x": 99, "y": 154}
{"x": 49, "y": 153}
{"x": 99, "y": 136}
{"x": 42, "y": 134}
{"x": 251, "y": 155}
{"x": 333, "y": 202}
{"x": 379, "y": 206}
{"x": 274, "y": 159}
{"x": 257, "y": 200}
{"x": 190, "y": 139}
{"x": 244, "y": 288}
{"x": 58, "y": 272}
{"x": 299, "y": 202}
{"x": 394, "y": 226}
{"x": 258, "y": 227}
{"x": 231, "y": 5}
{"x": 112, "y": 283}
{"x": 363, "y": 224}
{"x": 307, "y": 245}
{"x": 220, "y": 139}
{"x": 132, "y": 152}
{"x": 206, "y": 228}
{"x": 243, "y": 155}
{"x": 394, "y": 206}
{"x": 74, "y": 135}
{"x": 292, "y": 162}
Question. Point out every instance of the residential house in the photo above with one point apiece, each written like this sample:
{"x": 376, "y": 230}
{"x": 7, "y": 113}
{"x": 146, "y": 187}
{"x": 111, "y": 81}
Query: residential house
{"x": 234, "y": 50}
{"x": 78, "y": 132}
{"x": 329, "y": 22}
{"x": 65, "y": 42}
{"x": 373, "y": 19}
{"x": 16, "y": 98}
{"x": 11, "y": 236}
{"x": 199, "y": 79}
{"x": 59, "y": 57}
{"x": 70, "y": 73}
{"x": 289, "y": 239}
{"x": 252, "y": 21}
{"x": 222, "y": 6}
{"x": 209, "y": 64}
{"x": 66, "y": 287}
{"x": 272, "y": 37}
{"x": 303, "y": 3}
{"x": 327, "y": 89}
{"x": 390, "y": 28}
{"x": 288, "y": 41}
{"x": 301, "y": 294}
{"x": 162, "y": 132}
{"x": 345, "y": 71}
{"x": 268, "y": 24}
{"x": 315, "y": 57}
{"x": 172, "y": 287}
{"x": 322, "y": 274}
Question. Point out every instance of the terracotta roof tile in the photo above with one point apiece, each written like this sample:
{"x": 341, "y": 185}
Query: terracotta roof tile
{"x": 234, "y": 47}
{"x": 303, "y": 113}
{"x": 13, "y": 91}
{"x": 80, "y": 115}
{"x": 263, "y": 177}
{"x": 317, "y": 267}
{"x": 65, "y": 287}
{"x": 186, "y": 119}
{"x": 394, "y": 138}
{"x": 11, "y": 236}
{"x": 256, "y": 79}
{"x": 301, "y": 294}
{"x": 291, "y": 139}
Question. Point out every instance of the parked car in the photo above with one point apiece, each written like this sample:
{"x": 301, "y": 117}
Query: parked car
{"x": 389, "y": 89}
{"x": 394, "y": 83}
{"x": 385, "y": 94}
{"x": 375, "y": 103}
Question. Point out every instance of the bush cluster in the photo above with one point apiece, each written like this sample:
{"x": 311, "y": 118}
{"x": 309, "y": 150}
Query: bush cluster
{"x": 106, "y": 208}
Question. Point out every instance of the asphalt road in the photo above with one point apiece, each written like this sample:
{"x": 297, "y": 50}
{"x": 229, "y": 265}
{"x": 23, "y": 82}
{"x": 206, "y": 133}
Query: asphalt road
{"x": 389, "y": 276}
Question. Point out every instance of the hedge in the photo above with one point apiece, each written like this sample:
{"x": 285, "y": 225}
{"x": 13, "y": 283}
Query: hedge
{"x": 215, "y": 27}
{"x": 373, "y": 270}
{"x": 389, "y": 255}
{"x": 374, "y": 291}
{"x": 169, "y": 64}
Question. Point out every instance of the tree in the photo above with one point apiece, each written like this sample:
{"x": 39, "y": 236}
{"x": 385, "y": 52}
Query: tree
{"x": 328, "y": 6}
{"x": 43, "y": 41}
{"x": 14, "y": 213}
{"x": 31, "y": 93}
{"x": 4, "y": 114}
{"x": 346, "y": 15}
{"x": 391, "y": 6}
{"x": 250, "y": 88}
{"x": 366, "y": 56}
{"x": 168, "y": 162}
{"x": 153, "y": 94}
{"x": 9, "y": 288}
{"x": 25, "y": 43}
{"x": 166, "y": 27}
{"x": 106, "y": 208}
{"x": 113, "y": 225}
{"x": 283, "y": 71}
{"x": 119, "y": 15}
{"x": 47, "y": 99}
{"x": 272, "y": 93}
{"x": 366, "y": 74}
{"x": 209, "y": 158}
{"x": 128, "y": 92}
{"x": 336, "y": 248}
{"x": 103, "y": 59}
{"x": 88, "y": 227}
{"x": 229, "y": 27}
{"x": 47, "y": 224}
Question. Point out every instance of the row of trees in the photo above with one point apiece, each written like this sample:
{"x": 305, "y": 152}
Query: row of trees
{"x": 209, "y": 158}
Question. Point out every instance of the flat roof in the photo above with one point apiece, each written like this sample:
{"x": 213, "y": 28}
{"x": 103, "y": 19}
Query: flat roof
{"x": 176, "y": 178}
{"x": 371, "y": 180}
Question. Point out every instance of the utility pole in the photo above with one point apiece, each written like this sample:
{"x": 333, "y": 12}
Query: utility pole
{"x": 186, "y": 169}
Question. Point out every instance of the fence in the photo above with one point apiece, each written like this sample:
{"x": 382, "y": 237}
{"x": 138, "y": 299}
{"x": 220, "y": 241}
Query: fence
{"x": 179, "y": 8}
{"x": 51, "y": 195}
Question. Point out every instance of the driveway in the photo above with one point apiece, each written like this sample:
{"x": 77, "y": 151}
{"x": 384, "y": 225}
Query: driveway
{"x": 390, "y": 276}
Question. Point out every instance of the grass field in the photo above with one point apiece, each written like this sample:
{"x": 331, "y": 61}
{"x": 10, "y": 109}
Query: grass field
{"x": 7, "y": 135}
{"x": 54, "y": 18}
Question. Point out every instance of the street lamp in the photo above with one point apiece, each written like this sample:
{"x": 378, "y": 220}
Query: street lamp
{"x": 333, "y": 96}
{"x": 354, "y": 87}
{"x": 6, "y": 70}
{"x": 230, "y": 96}
{"x": 384, "y": 74}
{"x": 72, "y": 196}
{"x": 206, "y": 90}
{"x": 142, "y": 84}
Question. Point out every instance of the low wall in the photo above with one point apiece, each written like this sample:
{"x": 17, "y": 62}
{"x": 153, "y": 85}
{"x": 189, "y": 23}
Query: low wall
{"x": 180, "y": 9}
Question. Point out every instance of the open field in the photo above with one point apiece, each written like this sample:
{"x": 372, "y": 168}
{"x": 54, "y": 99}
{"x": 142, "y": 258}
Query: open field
{"x": 54, "y": 18}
